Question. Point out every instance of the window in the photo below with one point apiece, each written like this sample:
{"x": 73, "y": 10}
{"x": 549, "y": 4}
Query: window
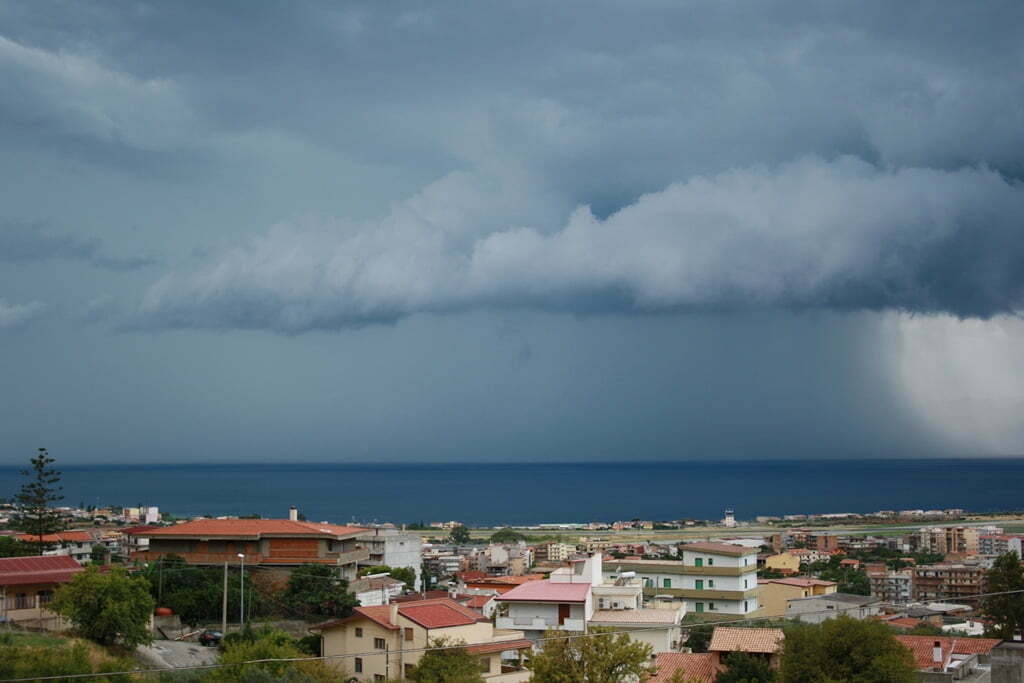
{"x": 666, "y": 583}
{"x": 408, "y": 669}
{"x": 648, "y": 583}
{"x": 745, "y": 607}
{"x": 359, "y": 665}
{"x": 711, "y": 606}
{"x": 711, "y": 583}
{"x": 711, "y": 562}
{"x": 45, "y": 597}
{"x": 379, "y": 644}
{"x": 359, "y": 631}
{"x": 698, "y": 562}
{"x": 745, "y": 582}
{"x": 408, "y": 633}
{"x": 485, "y": 664}
{"x": 22, "y": 601}
{"x": 700, "y": 607}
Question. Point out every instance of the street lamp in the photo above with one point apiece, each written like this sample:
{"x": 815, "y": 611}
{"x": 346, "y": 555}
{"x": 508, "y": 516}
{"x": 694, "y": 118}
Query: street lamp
{"x": 241, "y": 593}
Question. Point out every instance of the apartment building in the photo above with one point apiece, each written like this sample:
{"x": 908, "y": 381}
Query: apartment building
{"x": 942, "y": 540}
{"x": 999, "y": 544}
{"x": 77, "y": 545}
{"x": 554, "y": 552}
{"x": 263, "y": 542}
{"x": 388, "y": 640}
{"x": 947, "y": 581}
{"x": 715, "y": 578}
{"x": 892, "y": 586}
{"x": 394, "y": 548}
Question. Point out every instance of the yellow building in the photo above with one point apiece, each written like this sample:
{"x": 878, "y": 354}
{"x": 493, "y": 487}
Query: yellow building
{"x": 384, "y": 640}
{"x": 776, "y": 593}
{"x": 783, "y": 562}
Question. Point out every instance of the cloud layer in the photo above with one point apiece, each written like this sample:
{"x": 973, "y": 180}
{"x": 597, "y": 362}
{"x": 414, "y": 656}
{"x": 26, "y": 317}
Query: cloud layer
{"x": 24, "y": 244}
{"x": 840, "y": 234}
{"x": 16, "y": 315}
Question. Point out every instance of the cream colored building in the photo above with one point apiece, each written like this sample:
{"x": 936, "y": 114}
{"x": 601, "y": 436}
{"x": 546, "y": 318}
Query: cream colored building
{"x": 783, "y": 562}
{"x": 776, "y": 593}
{"x": 384, "y": 641}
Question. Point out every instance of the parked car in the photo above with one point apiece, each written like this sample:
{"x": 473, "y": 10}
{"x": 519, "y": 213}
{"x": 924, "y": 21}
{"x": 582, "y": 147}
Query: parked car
{"x": 210, "y": 638}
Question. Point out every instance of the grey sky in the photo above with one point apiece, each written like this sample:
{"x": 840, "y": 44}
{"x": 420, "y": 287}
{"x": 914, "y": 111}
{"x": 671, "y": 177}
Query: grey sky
{"x": 317, "y": 230}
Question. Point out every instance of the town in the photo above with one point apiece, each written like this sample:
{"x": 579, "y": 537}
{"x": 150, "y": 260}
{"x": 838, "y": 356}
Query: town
{"x": 373, "y": 602}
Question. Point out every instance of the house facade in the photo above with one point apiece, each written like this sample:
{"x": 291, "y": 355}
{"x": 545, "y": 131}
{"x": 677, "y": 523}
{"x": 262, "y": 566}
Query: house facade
{"x": 27, "y": 585}
{"x": 264, "y": 542}
{"x": 396, "y": 549}
{"x": 776, "y": 593}
{"x": 817, "y": 609}
{"x": 77, "y": 545}
{"x": 385, "y": 642}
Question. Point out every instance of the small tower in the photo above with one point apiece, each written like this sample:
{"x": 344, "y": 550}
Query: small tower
{"x": 729, "y": 520}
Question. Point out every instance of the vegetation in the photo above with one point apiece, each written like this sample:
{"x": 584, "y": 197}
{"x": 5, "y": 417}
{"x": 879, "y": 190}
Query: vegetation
{"x": 266, "y": 643}
{"x": 35, "y": 516}
{"x": 1007, "y": 611}
{"x": 30, "y": 655}
{"x": 12, "y": 547}
{"x": 746, "y": 668}
{"x": 460, "y": 534}
{"x": 507, "y": 535}
{"x": 107, "y": 608}
{"x": 845, "y": 649}
{"x": 850, "y": 580}
{"x": 314, "y": 589}
{"x": 699, "y": 638}
{"x": 452, "y": 665}
{"x": 603, "y": 659}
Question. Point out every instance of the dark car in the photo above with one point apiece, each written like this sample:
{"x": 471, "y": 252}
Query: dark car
{"x": 210, "y": 638}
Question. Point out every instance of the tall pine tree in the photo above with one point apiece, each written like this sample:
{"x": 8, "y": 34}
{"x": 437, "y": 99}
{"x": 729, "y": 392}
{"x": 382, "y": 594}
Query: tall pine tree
{"x": 35, "y": 516}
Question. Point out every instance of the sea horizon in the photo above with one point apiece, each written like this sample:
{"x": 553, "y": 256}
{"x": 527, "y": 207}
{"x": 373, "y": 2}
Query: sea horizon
{"x": 531, "y": 493}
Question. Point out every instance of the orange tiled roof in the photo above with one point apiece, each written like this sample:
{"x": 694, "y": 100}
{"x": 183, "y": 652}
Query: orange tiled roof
{"x": 254, "y": 528}
{"x": 904, "y": 622}
{"x": 732, "y": 639}
{"x": 435, "y": 613}
{"x": 60, "y": 537}
{"x": 696, "y": 667}
{"x": 921, "y": 647}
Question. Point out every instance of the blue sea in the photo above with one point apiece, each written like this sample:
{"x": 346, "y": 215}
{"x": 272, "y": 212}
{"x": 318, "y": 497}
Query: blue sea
{"x": 530, "y": 493}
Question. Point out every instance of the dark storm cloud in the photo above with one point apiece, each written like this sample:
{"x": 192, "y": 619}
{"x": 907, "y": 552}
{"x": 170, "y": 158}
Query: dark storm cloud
{"x": 20, "y": 243}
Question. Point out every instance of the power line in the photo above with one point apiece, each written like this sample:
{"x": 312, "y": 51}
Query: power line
{"x": 379, "y": 653}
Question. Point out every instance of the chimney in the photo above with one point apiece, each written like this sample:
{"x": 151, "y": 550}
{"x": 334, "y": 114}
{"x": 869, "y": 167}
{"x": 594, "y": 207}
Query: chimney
{"x": 937, "y": 654}
{"x": 293, "y": 513}
{"x": 394, "y": 613}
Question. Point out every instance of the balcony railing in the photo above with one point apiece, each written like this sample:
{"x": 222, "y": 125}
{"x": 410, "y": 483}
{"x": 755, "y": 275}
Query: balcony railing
{"x": 539, "y": 624}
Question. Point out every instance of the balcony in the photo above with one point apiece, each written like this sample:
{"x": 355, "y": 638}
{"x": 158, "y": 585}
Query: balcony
{"x": 357, "y": 555}
{"x": 539, "y": 624}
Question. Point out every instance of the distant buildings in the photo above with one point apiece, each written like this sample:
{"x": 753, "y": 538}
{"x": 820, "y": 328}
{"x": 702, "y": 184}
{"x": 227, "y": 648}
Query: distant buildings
{"x": 820, "y": 608}
{"x": 75, "y": 544}
{"x": 947, "y": 581}
{"x": 892, "y": 586}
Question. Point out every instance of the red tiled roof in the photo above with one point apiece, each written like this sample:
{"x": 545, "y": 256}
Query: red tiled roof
{"x": 500, "y": 646}
{"x": 694, "y": 667}
{"x": 733, "y": 639}
{"x": 904, "y": 622}
{"x": 507, "y": 580}
{"x": 478, "y": 601}
{"x": 720, "y": 548}
{"x": 15, "y": 571}
{"x": 438, "y": 615}
{"x": 254, "y": 528}
{"x": 61, "y": 537}
{"x": 547, "y": 591}
{"x": 137, "y": 530}
{"x": 471, "y": 574}
{"x": 921, "y": 647}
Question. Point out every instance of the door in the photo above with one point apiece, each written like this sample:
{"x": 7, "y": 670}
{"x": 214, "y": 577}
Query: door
{"x": 563, "y": 614}
{"x": 698, "y": 562}
{"x": 699, "y": 584}
{"x": 700, "y": 607}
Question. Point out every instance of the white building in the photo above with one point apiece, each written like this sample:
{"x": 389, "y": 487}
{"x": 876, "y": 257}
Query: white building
{"x": 396, "y": 549}
{"x": 819, "y": 608}
{"x": 75, "y": 544}
{"x": 577, "y": 597}
{"x": 376, "y": 589}
{"x": 711, "y": 578}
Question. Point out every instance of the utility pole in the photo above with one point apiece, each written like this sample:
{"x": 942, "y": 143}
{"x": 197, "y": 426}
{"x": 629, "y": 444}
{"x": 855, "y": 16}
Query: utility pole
{"x": 241, "y": 594}
{"x": 224, "y": 607}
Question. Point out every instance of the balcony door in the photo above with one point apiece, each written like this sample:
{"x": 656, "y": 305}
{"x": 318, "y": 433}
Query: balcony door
{"x": 563, "y": 614}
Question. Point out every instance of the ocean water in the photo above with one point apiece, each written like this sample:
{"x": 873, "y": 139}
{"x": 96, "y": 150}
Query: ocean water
{"x": 529, "y": 493}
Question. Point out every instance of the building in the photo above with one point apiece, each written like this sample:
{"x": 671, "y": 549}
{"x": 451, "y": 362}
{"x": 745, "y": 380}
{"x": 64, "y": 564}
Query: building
{"x": 396, "y": 549}
{"x": 787, "y": 563}
{"x": 376, "y": 589}
{"x": 776, "y": 593}
{"x": 946, "y": 581}
{"x": 765, "y": 643}
{"x": 690, "y": 666}
{"x": 264, "y": 542}
{"x": 999, "y": 544}
{"x": 943, "y": 540}
{"x": 717, "y": 578}
{"x": 729, "y": 520}
{"x": 940, "y": 658}
{"x": 494, "y": 585}
{"x": 892, "y": 586}
{"x": 75, "y": 544}
{"x": 394, "y": 635}
{"x": 27, "y": 585}
{"x": 554, "y": 552}
{"x": 134, "y": 540}
{"x": 578, "y": 596}
{"x": 819, "y": 608}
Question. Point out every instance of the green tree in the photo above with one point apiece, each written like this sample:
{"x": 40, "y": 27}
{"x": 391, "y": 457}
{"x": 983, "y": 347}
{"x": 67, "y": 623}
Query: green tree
{"x": 507, "y": 535}
{"x": 406, "y": 575}
{"x": 460, "y": 534}
{"x": 267, "y": 643}
{"x": 107, "y": 607}
{"x": 35, "y": 516}
{"x": 602, "y": 659}
{"x": 315, "y": 589}
{"x": 451, "y": 665}
{"x": 746, "y": 668}
{"x": 847, "y": 650}
{"x": 12, "y": 547}
{"x": 1007, "y": 611}
{"x": 699, "y": 638}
